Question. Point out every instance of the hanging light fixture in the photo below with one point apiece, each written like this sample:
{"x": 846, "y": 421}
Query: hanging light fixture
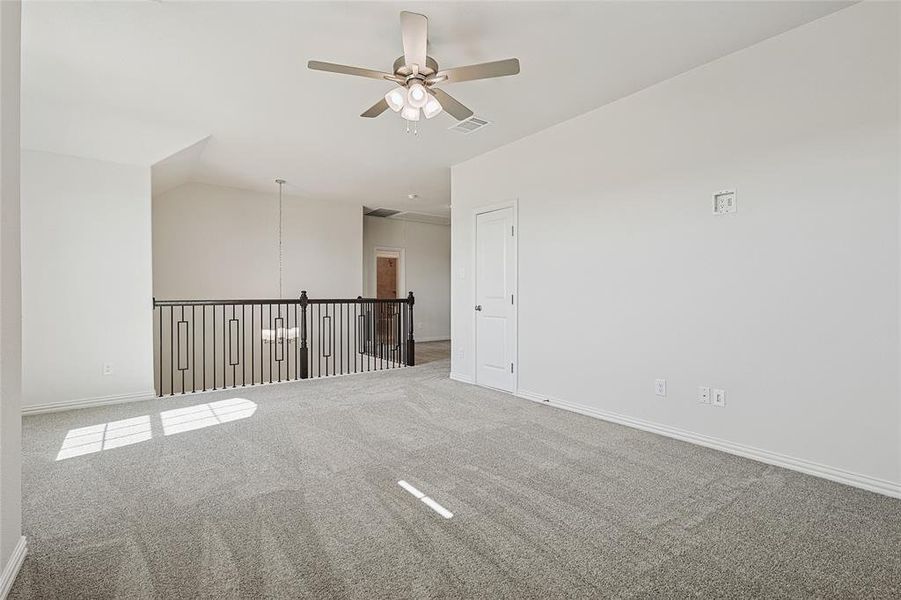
{"x": 412, "y": 102}
{"x": 280, "y": 335}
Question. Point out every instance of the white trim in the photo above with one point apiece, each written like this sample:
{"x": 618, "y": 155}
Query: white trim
{"x": 514, "y": 204}
{"x": 461, "y": 378}
{"x": 526, "y": 395}
{"x": 388, "y": 252}
{"x": 37, "y": 409}
{"x": 434, "y": 338}
{"x": 11, "y": 569}
{"x": 865, "y": 482}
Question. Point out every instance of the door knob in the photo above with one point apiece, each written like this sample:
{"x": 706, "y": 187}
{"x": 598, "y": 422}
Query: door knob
{"x": 479, "y": 307}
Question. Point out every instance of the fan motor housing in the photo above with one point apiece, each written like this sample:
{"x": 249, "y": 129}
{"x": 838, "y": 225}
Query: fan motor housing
{"x": 402, "y": 70}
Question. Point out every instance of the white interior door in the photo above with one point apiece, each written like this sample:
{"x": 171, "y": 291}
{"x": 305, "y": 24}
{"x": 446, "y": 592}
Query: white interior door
{"x": 495, "y": 309}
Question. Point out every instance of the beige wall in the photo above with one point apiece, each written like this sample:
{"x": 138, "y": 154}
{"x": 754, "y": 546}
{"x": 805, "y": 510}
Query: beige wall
{"x": 86, "y": 280}
{"x": 427, "y": 269}
{"x": 791, "y": 304}
{"x": 213, "y": 242}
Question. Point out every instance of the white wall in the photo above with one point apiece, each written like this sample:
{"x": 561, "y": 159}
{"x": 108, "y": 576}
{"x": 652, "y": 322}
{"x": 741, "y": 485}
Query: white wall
{"x": 11, "y": 541}
{"x": 791, "y": 304}
{"x": 86, "y": 279}
{"x": 427, "y": 266}
{"x": 213, "y": 242}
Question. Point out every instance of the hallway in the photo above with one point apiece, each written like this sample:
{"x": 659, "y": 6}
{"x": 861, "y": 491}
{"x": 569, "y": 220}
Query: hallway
{"x": 427, "y": 352}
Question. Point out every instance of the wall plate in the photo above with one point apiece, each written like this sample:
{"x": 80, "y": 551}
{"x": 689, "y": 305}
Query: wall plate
{"x": 719, "y": 398}
{"x": 704, "y": 394}
{"x": 660, "y": 387}
{"x": 724, "y": 202}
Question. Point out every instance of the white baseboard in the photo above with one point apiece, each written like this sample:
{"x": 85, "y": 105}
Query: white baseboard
{"x": 865, "y": 482}
{"x": 461, "y": 378}
{"x": 435, "y": 338}
{"x": 37, "y": 409}
{"x": 11, "y": 569}
{"x": 530, "y": 396}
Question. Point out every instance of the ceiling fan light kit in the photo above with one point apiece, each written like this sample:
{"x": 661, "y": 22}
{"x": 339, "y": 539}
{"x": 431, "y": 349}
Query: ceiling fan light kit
{"x": 432, "y": 107}
{"x": 410, "y": 113}
{"x": 395, "y": 99}
{"x": 417, "y": 76}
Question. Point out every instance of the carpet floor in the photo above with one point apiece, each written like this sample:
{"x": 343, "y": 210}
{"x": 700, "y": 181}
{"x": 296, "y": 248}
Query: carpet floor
{"x": 291, "y": 491}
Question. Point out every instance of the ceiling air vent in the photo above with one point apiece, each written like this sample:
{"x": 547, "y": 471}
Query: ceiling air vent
{"x": 424, "y": 218}
{"x": 470, "y": 125}
{"x": 381, "y": 212}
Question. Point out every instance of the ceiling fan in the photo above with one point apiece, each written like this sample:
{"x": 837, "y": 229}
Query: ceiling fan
{"x": 418, "y": 74}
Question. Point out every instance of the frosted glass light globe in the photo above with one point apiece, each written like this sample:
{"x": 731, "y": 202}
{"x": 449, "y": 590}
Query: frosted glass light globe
{"x": 417, "y": 96}
{"x": 395, "y": 99}
{"x": 431, "y": 108}
{"x": 410, "y": 113}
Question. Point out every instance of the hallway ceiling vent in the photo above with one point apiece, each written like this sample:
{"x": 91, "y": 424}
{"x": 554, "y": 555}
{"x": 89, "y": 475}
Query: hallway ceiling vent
{"x": 470, "y": 125}
{"x": 380, "y": 212}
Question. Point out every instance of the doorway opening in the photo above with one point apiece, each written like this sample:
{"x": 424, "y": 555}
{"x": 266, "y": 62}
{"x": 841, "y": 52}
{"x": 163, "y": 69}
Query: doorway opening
{"x": 386, "y": 277}
{"x": 389, "y": 285}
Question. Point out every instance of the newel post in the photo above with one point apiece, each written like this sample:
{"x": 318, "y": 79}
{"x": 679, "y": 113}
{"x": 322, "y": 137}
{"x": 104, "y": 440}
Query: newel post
{"x": 411, "y": 343}
{"x": 304, "y": 352}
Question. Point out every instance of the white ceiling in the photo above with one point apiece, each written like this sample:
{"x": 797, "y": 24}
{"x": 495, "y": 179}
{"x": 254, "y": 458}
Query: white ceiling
{"x": 225, "y": 85}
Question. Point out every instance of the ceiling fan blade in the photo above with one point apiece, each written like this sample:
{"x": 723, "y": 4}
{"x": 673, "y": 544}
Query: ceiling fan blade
{"x": 498, "y": 68}
{"x": 376, "y": 109}
{"x": 450, "y": 105}
{"x": 414, "y": 29}
{"x": 346, "y": 70}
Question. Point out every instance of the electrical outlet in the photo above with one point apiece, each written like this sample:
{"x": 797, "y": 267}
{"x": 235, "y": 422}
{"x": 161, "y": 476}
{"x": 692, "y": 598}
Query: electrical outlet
{"x": 704, "y": 394}
{"x": 719, "y": 397}
{"x": 107, "y": 368}
{"x": 724, "y": 202}
{"x": 660, "y": 387}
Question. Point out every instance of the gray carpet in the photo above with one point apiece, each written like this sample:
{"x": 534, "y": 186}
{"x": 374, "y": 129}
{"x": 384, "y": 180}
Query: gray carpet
{"x": 300, "y": 500}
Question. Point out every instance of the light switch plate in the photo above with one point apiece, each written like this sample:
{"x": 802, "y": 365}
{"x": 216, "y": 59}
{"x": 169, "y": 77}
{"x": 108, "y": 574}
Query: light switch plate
{"x": 724, "y": 202}
{"x": 660, "y": 387}
{"x": 719, "y": 397}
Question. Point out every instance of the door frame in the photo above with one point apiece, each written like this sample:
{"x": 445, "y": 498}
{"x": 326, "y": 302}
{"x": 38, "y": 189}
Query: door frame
{"x": 487, "y": 208}
{"x": 388, "y": 252}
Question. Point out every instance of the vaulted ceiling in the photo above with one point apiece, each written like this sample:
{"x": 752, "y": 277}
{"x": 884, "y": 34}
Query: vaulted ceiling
{"x": 219, "y": 92}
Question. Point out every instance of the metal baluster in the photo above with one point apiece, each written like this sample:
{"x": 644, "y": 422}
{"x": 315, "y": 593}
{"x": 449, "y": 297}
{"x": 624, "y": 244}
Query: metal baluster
{"x": 193, "y": 348}
{"x": 271, "y": 349}
{"x": 224, "y": 361}
{"x": 159, "y": 314}
{"x": 171, "y": 358}
{"x": 203, "y": 345}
